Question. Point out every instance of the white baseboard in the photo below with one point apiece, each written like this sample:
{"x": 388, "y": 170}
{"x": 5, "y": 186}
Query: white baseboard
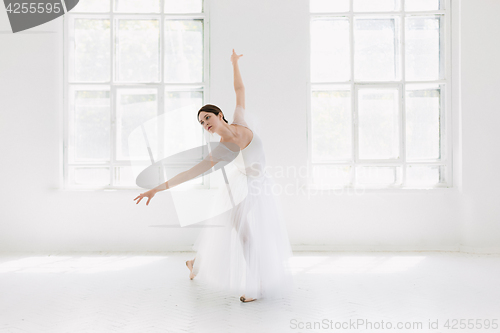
{"x": 372, "y": 248}
{"x": 296, "y": 248}
{"x": 480, "y": 250}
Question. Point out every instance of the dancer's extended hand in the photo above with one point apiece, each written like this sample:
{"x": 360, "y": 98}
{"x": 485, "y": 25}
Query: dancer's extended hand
{"x": 149, "y": 194}
{"x": 235, "y": 57}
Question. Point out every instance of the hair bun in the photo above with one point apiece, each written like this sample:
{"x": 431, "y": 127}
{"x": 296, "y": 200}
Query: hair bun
{"x": 212, "y": 109}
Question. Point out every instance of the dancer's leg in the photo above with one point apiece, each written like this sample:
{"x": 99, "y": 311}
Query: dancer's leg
{"x": 241, "y": 225}
{"x": 190, "y": 264}
{"x": 245, "y": 236}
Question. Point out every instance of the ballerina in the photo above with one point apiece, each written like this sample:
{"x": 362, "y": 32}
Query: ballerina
{"x": 251, "y": 252}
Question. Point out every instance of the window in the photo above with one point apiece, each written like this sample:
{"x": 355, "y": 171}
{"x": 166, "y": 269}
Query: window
{"x": 380, "y": 94}
{"x": 131, "y": 63}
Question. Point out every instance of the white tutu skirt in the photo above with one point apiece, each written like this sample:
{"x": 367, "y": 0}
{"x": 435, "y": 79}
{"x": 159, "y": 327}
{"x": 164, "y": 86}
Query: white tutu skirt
{"x": 247, "y": 250}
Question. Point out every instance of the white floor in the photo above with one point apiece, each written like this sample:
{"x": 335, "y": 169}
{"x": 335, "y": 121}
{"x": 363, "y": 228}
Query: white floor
{"x": 152, "y": 293}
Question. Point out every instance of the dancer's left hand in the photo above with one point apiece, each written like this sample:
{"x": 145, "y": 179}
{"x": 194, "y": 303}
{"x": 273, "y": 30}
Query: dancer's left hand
{"x": 149, "y": 194}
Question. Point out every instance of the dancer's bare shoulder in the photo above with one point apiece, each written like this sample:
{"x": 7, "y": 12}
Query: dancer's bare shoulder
{"x": 244, "y": 136}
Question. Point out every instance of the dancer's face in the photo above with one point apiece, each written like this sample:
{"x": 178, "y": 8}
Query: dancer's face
{"x": 210, "y": 121}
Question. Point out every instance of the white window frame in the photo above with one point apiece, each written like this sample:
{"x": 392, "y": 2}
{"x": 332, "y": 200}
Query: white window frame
{"x": 449, "y": 64}
{"x": 113, "y": 85}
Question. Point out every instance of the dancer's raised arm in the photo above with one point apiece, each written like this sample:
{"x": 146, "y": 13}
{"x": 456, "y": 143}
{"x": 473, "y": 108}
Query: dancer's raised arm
{"x": 239, "y": 88}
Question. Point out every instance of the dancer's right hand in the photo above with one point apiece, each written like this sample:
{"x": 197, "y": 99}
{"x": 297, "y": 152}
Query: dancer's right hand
{"x": 149, "y": 194}
{"x": 235, "y": 57}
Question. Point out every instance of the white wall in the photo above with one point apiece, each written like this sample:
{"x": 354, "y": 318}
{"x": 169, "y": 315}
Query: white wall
{"x": 36, "y": 215}
{"x": 481, "y": 120}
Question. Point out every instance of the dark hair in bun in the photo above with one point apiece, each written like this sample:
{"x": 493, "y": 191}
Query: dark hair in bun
{"x": 212, "y": 109}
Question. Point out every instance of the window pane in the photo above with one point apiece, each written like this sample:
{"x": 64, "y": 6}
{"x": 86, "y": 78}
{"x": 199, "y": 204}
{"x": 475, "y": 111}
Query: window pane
{"x": 137, "y": 51}
{"x": 422, "y": 48}
{"x": 331, "y": 175}
{"x": 375, "y": 49}
{"x": 331, "y": 125}
{"x": 143, "y": 141}
{"x": 126, "y": 175}
{"x": 91, "y": 51}
{"x": 89, "y": 120}
{"x": 183, "y": 51}
{"x": 378, "y": 123}
{"x": 422, "y": 123}
{"x": 330, "y": 55}
{"x": 375, "y": 175}
{"x": 376, "y": 5}
{"x": 417, "y": 175}
{"x": 91, "y": 6}
{"x": 134, "y": 6}
{"x": 419, "y": 5}
{"x": 182, "y": 129}
{"x": 172, "y": 132}
{"x": 325, "y": 6}
{"x": 133, "y": 107}
{"x": 184, "y": 6}
{"x": 88, "y": 176}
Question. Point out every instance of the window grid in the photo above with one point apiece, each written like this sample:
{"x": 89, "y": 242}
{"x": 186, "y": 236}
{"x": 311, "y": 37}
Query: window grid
{"x": 444, "y": 161}
{"x": 113, "y": 86}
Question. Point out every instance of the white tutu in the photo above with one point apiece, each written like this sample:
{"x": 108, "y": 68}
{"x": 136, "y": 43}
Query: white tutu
{"x": 248, "y": 250}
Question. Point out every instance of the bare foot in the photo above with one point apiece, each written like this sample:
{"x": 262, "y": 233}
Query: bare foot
{"x": 244, "y": 300}
{"x": 190, "y": 264}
